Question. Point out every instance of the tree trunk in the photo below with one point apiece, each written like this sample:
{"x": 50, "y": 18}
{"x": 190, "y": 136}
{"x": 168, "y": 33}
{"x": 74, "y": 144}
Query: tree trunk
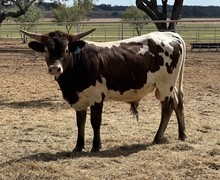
{"x": 23, "y": 38}
{"x": 151, "y": 8}
{"x": 177, "y": 8}
{"x": 2, "y": 17}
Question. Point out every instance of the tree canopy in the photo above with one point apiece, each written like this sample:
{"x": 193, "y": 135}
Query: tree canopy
{"x": 75, "y": 13}
{"x": 16, "y": 8}
{"x": 135, "y": 17}
{"x": 27, "y": 21}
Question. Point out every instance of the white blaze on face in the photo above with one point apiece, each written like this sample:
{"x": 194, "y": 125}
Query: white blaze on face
{"x": 56, "y": 68}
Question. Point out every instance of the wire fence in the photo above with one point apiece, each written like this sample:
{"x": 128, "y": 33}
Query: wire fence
{"x": 207, "y": 30}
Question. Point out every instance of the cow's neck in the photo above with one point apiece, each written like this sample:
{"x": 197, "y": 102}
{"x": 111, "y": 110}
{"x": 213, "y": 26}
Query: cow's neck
{"x": 77, "y": 76}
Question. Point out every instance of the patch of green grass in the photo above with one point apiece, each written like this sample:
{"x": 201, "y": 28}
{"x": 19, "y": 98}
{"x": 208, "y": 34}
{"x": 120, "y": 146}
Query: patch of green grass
{"x": 108, "y": 31}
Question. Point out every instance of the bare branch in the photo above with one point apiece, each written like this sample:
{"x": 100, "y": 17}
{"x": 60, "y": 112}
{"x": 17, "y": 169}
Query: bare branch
{"x": 154, "y": 3}
{"x": 164, "y": 4}
{"x": 18, "y": 5}
{"x": 150, "y": 7}
{"x": 177, "y": 8}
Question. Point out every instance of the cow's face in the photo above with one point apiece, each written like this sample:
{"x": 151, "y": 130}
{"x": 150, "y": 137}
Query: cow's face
{"x": 58, "y": 48}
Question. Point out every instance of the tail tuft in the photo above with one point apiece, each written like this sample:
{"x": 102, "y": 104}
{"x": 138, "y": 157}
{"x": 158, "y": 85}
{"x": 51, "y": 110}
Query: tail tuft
{"x": 133, "y": 109}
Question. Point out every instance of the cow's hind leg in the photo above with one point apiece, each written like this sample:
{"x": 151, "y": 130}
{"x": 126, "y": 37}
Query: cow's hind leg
{"x": 179, "y": 110}
{"x": 166, "y": 111}
{"x": 96, "y": 119}
{"x": 81, "y": 121}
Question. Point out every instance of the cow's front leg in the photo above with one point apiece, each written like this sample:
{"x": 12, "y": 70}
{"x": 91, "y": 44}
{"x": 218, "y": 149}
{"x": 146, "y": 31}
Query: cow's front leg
{"x": 96, "y": 119}
{"x": 166, "y": 111}
{"x": 81, "y": 121}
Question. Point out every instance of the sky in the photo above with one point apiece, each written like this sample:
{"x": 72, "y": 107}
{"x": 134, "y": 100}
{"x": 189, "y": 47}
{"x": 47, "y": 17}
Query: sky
{"x": 132, "y": 2}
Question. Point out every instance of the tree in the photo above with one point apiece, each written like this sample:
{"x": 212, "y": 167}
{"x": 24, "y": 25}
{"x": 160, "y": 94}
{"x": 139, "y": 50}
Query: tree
{"x": 151, "y": 8}
{"x": 135, "y": 16}
{"x": 75, "y": 13}
{"x": 16, "y": 8}
{"x": 27, "y": 20}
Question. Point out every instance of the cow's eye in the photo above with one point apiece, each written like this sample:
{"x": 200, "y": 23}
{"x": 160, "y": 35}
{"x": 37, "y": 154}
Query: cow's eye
{"x": 45, "y": 50}
{"x": 66, "y": 50}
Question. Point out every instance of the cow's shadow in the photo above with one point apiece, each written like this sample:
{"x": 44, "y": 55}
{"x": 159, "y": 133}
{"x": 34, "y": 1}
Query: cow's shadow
{"x": 124, "y": 150}
{"x": 40, "y": 103}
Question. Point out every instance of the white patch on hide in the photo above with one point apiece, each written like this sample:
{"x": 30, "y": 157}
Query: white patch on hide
{"x": 143, "y": 50}
{"x": 90, "y": 96}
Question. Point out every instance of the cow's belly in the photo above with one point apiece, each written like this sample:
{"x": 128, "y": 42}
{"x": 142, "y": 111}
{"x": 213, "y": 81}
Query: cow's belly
{"x": 94, "y": 94}
{"x": 131, "y": 95}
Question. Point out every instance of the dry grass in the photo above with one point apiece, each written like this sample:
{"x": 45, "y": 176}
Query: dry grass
{"x": 38, "y": 129}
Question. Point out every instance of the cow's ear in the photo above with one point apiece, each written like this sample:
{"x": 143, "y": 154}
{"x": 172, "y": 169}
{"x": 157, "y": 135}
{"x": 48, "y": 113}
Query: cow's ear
{"x": 36, "y": 46}
{"x": 76, "y": 46}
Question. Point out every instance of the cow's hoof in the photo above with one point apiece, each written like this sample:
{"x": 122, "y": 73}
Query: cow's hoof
{"x": 77, "y": 149}
{"x": 163, "y": 140}
{"x": 95, "y": 150}
{"x": 182, "y": 137}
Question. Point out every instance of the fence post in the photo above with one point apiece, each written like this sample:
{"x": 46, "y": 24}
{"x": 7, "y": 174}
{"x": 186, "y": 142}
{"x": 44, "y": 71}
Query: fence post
{"x": 122, "y": 30}
{"x": 215, "y": 35}
{"x": 197, "y": 35}
{"x": 78, "y": 27}
{"x": 105, "y": 35}
{"x": 174, "y": 26}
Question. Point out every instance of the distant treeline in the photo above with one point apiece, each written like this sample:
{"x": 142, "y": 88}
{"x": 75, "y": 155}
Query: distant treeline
{"x": 200, "y": 12}
{"x": 107, "y": 10}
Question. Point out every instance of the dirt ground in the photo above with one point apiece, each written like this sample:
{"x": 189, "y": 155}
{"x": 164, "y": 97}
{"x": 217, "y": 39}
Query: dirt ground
{"x": 38, "y": 129}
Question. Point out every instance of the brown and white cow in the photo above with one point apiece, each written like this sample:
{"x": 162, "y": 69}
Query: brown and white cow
{"x": 89, "y": 73}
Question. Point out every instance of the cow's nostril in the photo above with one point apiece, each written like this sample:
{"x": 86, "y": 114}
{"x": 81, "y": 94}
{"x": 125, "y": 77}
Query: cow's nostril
{"x": 50, "y": 70}
{"x": 59, "y": 69}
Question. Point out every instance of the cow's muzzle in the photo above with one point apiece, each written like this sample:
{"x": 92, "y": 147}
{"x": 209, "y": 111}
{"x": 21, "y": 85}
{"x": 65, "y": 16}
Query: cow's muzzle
{"x": 55, "y": 69}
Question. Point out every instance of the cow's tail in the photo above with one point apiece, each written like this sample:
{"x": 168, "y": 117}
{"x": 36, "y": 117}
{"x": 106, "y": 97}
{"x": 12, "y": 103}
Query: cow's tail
{"x": 182, "y": 68}
{"x": 133, "y": 109}
{"x": 179, "y": 87}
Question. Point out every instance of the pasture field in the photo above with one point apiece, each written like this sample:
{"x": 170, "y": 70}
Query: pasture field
{"x": 112, "y": 30}
{"x": 38, "y": 129}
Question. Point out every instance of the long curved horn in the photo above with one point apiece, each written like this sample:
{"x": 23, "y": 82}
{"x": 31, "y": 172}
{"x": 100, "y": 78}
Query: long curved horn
{"x": 36, "y": 36}
{"x": 81, "y": 34}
